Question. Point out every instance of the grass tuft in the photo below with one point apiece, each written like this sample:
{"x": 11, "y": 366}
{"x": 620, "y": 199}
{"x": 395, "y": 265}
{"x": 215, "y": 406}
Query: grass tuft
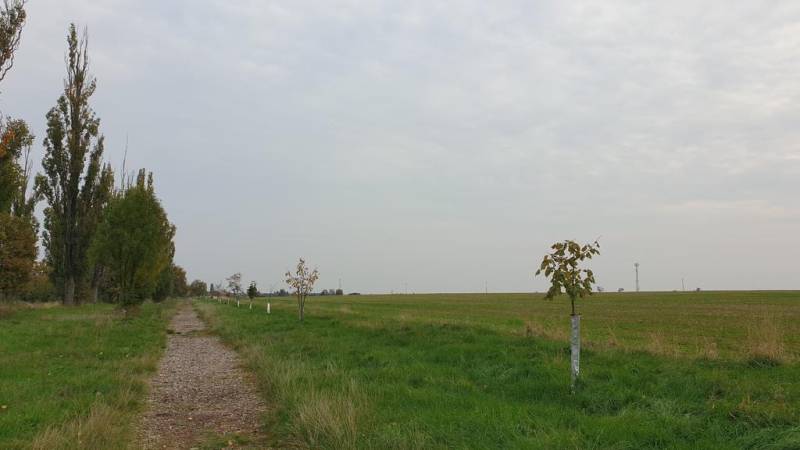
{"x": 327, "y": 420}
{"x": 103, "y": 428}
{"x": 708, "y": 349}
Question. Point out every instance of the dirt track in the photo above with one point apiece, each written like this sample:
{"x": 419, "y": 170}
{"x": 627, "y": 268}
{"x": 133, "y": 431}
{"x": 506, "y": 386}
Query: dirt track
{"x": 199, "y": 390}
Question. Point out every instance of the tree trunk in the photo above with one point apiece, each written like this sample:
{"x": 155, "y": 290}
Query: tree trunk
{"x": 69, "y": 291}
{"x": 300, "y": 307}
{"x": 575, "y": 351}
{"x": 97, "y": 275}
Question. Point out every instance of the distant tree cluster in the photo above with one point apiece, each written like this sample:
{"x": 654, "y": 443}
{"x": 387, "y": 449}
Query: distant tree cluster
{"x": 198, "y": 288}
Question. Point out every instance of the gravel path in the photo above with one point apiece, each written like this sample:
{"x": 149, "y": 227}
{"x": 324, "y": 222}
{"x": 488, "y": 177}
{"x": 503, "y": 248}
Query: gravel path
{"x": 199, "y": 389}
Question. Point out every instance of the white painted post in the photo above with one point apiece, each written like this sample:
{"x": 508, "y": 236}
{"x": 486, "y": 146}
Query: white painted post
{"x": 267, "y": 307}
{"x": 575, "y": 350}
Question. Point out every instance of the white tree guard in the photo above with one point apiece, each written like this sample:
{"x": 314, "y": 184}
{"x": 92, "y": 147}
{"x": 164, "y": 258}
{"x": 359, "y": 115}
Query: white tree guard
{"x": 575, "y": 350}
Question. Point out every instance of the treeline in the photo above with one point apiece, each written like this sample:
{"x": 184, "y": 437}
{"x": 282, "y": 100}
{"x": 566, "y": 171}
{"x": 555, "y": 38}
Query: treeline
{"x": 103, "y": 238}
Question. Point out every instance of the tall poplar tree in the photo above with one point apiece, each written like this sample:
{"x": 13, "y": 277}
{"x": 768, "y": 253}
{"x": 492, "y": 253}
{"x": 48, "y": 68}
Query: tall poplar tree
{"x": 75, "y": 183}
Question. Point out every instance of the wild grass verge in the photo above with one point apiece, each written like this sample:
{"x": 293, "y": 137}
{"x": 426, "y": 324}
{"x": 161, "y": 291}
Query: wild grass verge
{"x": 75, "y": 377}
{"x": 307, "y": 415}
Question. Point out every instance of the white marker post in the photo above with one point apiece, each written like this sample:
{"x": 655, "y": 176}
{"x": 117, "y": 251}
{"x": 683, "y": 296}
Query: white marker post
{"x": 267, "y": 307}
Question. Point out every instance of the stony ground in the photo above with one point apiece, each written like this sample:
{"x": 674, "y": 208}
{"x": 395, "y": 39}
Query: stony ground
{"x": 199, "y": 391}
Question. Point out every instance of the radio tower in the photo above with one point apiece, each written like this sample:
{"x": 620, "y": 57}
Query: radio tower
{"x": 636, "y": 265}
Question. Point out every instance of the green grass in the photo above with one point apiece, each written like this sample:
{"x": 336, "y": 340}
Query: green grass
{"x": 478, "y": 371}
{"x": 75, "y": 377}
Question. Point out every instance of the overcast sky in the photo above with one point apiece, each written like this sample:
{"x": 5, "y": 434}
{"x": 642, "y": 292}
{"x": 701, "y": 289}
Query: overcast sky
{"x": 446, "y": 144}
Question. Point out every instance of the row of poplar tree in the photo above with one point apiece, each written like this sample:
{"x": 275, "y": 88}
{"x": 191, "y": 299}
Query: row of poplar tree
{"x": 101, "y": 238}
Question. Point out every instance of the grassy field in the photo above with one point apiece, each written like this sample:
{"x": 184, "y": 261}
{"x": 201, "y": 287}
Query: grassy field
{"x": 709, "y": 370}
{"x": 75, "y": 377}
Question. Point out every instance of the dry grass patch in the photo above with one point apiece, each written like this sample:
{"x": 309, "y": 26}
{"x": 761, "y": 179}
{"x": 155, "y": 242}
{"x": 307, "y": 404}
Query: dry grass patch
{"x": 658, "y": 344}
{"x": 104, "y": 428}
{"x": 764, "y": 343}
{"x": 7, "y": 308}
{"x": 708, "y": 349}
{"x": 532, "y": 329}
{"x": 327, "y": 420}
{"x": 537, "y": 329}
{"x": 612, "y": 341}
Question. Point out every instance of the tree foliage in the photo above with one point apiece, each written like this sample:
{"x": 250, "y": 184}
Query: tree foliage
{"x": 171, "y": 283}
{"x": 252, "y": 290}
{"x": 75, "y": 182}
{"x": 198, "y": 288}
{"x": 235, "y": 283}
{"x": 15, "y": 145}
{"x": 18, "y": 226}
{"x": 39, "y": 287}
{"x": 302, "y": 282}
{"x": 165, "y": 284}
{"x": 134, "y": 241}
{"x": 179, "y": 286}
{"x": 17, "y": 253}
{"x": 12, "y": 19}
{"x": 561, "y": 267}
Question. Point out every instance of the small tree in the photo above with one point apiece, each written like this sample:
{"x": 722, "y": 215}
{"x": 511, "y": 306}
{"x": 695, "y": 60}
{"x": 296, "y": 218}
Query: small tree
{"x": 134, "y": 242}
{"x": 235, "y": 285}
{"x": 252, "y": 292}
{"x": 302, "y": 282}
{"x": 561, "y": 267}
